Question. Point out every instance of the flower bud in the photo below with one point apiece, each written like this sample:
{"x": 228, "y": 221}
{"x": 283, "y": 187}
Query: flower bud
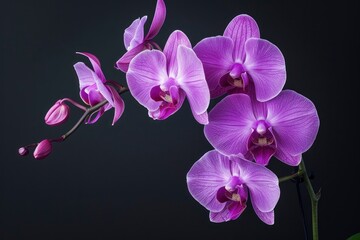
{"x": 57, "y": 114}
{"x": 23, "y": 151}
{"x": 43, "y": 149}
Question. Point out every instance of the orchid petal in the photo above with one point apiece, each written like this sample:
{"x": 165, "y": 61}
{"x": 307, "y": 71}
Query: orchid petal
{"x": 134, "y": 34}
{"x": 263, "y": 185}
{"x": 266, "y": 217}
{"x": 158, "y": 20}
{"x": 146, "y": 70}
{"x": 211, "y": 172}
{"x": 240, "y": 29}
{"x": 95, "y": 64}
{"x": 266, "y": 66}
{"x": 95, "y": 97}
{"x": 216, "y": 56}
{"x": 103, "y": 89}
{"x": 166, "y": 110}
{"x": 191, "y": 79}
{"x": 119, "y": 105}
{"x": 294, "y": 121}
{"x": 94, "y": 117}
{"x": 85, "y": 75}
{"x": 263, "y": 154}
{"x": 230, "y": 123}
{"x": 170, "y": 50}
{"x": 230, "y": 212}
{"x": 124, "y": 61}
{"x": 287, "y": 158}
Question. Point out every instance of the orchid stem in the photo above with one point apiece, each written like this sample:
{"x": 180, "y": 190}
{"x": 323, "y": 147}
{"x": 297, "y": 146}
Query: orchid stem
{"x": 292, "y": 176}
{"x": 314, "y": 197}
{"x": 87, "y": 112}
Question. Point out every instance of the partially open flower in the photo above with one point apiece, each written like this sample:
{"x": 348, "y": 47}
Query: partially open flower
{"x": 43, "y": 149}
{"x": 57, "y": 114}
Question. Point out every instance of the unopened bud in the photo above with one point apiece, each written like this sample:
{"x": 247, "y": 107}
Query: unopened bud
{"x": 57, "y": 114}
{"x": 23, "y": 151}
{"x": 43, "y": 149}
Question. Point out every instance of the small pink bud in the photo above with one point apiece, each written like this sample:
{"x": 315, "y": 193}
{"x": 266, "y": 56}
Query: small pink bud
{"x": 23, "y": 151}
{"x": 43, "y": 149}
{"x": 57, "y": 114}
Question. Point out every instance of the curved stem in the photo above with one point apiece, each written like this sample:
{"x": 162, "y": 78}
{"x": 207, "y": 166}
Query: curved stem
{"x": 314, "y": 197}
{"x": 89, "y": 111}
{"x": 292, "y": 176}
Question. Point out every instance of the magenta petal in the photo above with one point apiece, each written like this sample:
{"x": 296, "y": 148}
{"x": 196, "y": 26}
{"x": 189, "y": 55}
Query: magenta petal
{"x": 119, "y": 105}
{"x": 263, "y": 154}
{"x": 170, "y": 50}
{"x": 103, "y": 90}
{"x": 95, "y": 63}
{"x": 211, "y": 172}
{"x": 266, "y": 66}
{"x": 266, "y": 217}
{"x": 262, "y": 183}
{"x": 230, "y": 123}
{"x": 294, "y": 120}
{"x": 95, "y": 97}
{"x": 85, "y": 75}
{"x": 134, "y": 34}
{"x": 230, "y": 212}
{"x": 287, "y": 158}
{"x": 216, "y": 56}
{"x": 165, "y": 110}
{"x": 240, "y": 29}
{"x": 124, "y": 61}
{"x": 146, "y": 70}
{"x": 94, "y": 117}
{"x": 158, "y": 20}
{"x": 191, "y": 79}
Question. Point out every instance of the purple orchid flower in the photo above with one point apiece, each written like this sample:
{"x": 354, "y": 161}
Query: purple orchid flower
{"x": 134, "y": 39}
{"x": 93, "y": 89}
{"x": 222, "y": 185}
{"x": 160, "y": 81}
{"x": 284, "y": 127}
{"x": 240, "y": 61}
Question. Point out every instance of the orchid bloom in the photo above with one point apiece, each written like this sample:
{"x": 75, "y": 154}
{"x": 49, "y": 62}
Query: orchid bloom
{"x": 222, "y": 185}
{"x": 94, "y": 89}
{"x": 160, "y": 81}
{"x": 239, "y": 61}
{"x": 134, "y": 39}
{"x": 284, "y": 127}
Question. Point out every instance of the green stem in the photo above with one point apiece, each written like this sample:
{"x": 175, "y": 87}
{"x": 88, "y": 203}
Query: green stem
{"x": 314, "y": 197}
{"x": 292, "y": 176}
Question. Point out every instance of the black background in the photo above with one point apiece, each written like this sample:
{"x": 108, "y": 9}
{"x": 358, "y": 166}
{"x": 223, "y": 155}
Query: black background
{"x": 128, "y": 181}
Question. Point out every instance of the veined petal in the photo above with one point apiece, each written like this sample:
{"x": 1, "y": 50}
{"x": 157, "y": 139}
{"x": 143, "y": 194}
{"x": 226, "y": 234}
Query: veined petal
{"x": 119, "y": 105}
{"x": 85, "y": 75}
{"x": 240, "y": 29}
{"x": 263, "y": 185}
{"x": 170, "y": 50}
{"x": 266, "y": 217}
{"x": 146, "y": 70}
{"x": 134, "y": 34}
{"x": 294, "y": 121}
{"x": 124, "y": 61}
{"x": 95, "y": 97}
{"x": 266, "y": 65}
{"x": 158, "y": 20}
{"x": 191, "y": 79}
{"x": 287, "y": 158}
{"x": 216, "y": 55}
{"x": 211, "y": 172}
{"x": 230, "y": 212}
{"x": 230, "y": 124}
{"x": 95, "y": 64}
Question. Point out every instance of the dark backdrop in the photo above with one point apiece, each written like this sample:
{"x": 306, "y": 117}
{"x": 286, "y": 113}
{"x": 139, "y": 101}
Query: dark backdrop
{"x": 128, "y": 181}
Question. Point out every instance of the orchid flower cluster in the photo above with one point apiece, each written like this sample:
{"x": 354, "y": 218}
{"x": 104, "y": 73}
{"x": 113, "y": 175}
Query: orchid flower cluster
{"x": 254, "y": 122}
